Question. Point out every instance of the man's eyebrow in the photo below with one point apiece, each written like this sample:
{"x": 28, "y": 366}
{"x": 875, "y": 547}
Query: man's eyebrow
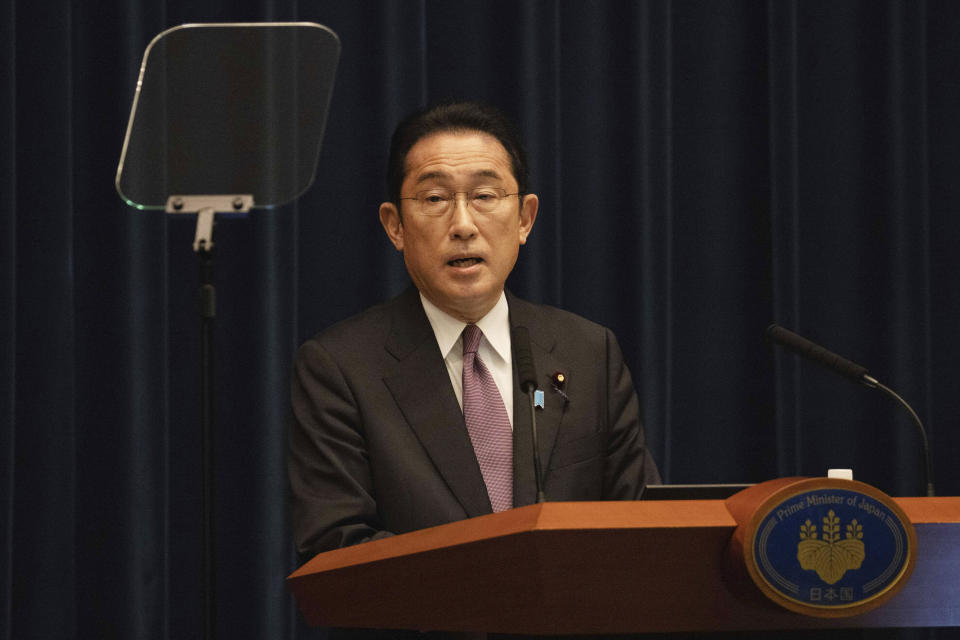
{"x": 433, "y": 175}
{"x": 487, "y": 173}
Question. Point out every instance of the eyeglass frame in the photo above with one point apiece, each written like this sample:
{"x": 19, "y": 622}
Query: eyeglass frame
{"x": 454, "y": 199}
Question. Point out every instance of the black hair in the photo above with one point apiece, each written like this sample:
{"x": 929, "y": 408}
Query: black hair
{"x": 453, "y": 116}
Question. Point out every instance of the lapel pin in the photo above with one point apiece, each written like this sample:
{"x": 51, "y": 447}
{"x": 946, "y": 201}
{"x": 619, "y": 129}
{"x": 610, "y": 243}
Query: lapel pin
{"x": 559, "y": 381}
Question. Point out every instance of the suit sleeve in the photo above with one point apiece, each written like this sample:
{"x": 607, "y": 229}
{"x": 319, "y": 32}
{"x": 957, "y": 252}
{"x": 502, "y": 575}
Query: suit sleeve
{"x": 629, "y": 465}
{"x": 327, "y": 463}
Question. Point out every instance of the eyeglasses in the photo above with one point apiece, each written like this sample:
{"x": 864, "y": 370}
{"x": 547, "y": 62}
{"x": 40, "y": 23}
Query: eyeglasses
{"x": 439, "y": 202}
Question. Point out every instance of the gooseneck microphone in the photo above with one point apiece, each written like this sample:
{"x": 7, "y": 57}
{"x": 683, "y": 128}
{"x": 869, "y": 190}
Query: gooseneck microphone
{"x": 815, "y": 353}
{"x": 527, "y": 376}
{"x": 838, "y": 364}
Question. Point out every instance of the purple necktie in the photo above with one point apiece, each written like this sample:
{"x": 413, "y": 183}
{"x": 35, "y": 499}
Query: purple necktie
{"x": 487, "y": 423}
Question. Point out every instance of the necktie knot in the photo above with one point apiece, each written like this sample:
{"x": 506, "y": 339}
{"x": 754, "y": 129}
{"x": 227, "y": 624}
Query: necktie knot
{"x": 471, "y": 338}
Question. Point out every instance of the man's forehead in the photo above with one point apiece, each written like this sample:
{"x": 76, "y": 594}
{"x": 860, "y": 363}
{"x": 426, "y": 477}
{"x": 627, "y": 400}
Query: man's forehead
{"x": 449, "y": 154}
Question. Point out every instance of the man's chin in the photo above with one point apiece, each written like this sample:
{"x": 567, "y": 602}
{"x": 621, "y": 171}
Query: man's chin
{"x": 471, "y": 303}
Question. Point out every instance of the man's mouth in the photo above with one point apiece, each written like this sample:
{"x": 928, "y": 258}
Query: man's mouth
{"x": 465, "y": 262}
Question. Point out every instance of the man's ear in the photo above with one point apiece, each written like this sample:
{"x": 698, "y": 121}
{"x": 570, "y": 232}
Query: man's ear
{"x": 528, "y": 215}
{"x": 392, "y": 224}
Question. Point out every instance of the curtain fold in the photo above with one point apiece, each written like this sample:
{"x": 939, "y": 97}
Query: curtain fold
{"x": 784, "y": 217}
{"x": 704, "y": 169}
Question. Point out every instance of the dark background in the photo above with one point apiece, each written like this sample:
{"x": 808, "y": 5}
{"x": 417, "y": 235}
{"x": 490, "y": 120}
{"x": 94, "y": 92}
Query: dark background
{"x": 704, "y": 168}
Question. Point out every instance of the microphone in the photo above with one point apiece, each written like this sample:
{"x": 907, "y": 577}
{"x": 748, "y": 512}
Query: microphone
{"x": 527, "y": 376}
{"x": 815, "y": 353}
{"x": 838, "y": 364}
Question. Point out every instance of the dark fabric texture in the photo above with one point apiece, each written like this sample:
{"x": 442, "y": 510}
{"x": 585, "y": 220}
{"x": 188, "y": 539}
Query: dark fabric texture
{"x": 704, "y": 168}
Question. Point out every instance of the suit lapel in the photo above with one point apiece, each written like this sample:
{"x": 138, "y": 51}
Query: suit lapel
{"x": 420, "y": 385}
{"x": 542, "y": 343}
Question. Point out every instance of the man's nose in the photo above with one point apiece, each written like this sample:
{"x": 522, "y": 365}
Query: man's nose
{"x": 462, "y": 224}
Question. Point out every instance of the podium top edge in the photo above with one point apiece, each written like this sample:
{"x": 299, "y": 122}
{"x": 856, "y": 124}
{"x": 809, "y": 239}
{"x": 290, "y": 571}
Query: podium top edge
{"x": 548, "y": 516}
{"x": 939, "y": 509}
{"x": 585, "y": 517}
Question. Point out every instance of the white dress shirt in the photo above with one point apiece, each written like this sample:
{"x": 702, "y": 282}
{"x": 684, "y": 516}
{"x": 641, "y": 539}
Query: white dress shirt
{"x": 494, "y": 347}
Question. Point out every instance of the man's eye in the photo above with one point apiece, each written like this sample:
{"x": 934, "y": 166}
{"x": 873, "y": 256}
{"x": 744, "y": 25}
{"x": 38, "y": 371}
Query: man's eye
{"x": 435, "y": 197}
{"x": 484, "y": 195}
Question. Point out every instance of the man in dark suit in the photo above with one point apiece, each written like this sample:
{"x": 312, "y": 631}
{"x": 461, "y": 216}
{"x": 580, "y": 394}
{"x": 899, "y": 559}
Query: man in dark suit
{"x": 398, "y": 425}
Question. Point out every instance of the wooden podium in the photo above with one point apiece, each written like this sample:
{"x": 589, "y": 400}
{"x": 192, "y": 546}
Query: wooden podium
{"x": 598, "y": 567}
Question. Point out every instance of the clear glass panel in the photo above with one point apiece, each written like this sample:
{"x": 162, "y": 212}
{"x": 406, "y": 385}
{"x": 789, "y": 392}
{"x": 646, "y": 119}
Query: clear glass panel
{"x": 229, "y": 109}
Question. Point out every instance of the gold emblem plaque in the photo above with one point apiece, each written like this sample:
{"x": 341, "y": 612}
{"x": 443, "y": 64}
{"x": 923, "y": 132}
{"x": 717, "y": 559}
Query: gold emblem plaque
{"x": 829, "y": 548}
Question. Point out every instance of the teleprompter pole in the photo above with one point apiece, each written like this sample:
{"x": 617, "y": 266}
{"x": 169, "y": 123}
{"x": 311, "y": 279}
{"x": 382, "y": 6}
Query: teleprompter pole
{"x": 206, "y": 207}
{"x": 208, "y": 312}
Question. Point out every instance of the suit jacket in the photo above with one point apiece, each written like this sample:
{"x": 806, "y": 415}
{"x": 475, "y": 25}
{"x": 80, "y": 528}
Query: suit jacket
{"x": 379, "y": 446}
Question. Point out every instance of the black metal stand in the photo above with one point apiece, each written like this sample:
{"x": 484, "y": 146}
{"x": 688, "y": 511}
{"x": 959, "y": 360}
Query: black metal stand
{"x": 208, "y": 312}
{"x": 206, "y": 207}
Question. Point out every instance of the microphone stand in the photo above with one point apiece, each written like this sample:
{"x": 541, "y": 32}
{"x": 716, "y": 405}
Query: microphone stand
{"x": 531, "y": 389}
{"x": 838, "y": 364}
{"x": 873, "y": 383}
{"x": 527, "y": 375}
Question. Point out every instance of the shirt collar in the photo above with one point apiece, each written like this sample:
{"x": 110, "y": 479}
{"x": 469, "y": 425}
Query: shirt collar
{"x": 495, "y": 327}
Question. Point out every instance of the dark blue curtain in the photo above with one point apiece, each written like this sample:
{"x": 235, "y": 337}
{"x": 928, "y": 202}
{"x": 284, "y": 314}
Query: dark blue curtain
{"x": 704, "y": 168}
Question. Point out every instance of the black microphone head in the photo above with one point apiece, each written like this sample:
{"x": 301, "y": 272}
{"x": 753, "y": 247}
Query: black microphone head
{"x": 526, "y": 371}
{"x": 815, "y": 353}
{"x": 772, "y": 331}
